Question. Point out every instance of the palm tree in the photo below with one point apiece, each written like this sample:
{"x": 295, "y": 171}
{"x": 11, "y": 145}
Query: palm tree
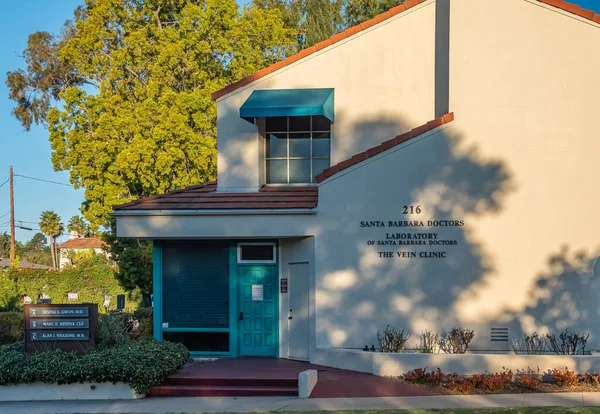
{"x": 79, "y": 226}
{"x": 51, "y": 226}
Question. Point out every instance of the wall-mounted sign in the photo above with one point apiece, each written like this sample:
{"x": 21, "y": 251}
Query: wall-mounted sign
{"x": 67, "y": 327}
{"x": 73, "y": 296}
{"x": 283, "y": 285}
{"x": 257, "y": 292}
{"x": 411, "y": 237}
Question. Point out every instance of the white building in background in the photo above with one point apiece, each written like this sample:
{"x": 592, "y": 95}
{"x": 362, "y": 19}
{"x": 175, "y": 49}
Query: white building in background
{"x": 77, "y": 246}
{"x": 433, "y": 167}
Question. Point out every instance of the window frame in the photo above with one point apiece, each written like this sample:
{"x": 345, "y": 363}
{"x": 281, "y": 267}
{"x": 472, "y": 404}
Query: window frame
{"x": 239, "y": 253}
{"x": 288, "y": 158}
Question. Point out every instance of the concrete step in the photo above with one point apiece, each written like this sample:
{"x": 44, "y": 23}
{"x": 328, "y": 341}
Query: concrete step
{"x": 222, "y": 391}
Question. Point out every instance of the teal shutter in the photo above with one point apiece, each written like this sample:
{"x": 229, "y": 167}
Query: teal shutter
{"x": 196, "y": 286}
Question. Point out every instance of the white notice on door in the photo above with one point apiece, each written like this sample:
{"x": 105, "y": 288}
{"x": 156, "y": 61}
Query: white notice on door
{"x": 257, "y": 292}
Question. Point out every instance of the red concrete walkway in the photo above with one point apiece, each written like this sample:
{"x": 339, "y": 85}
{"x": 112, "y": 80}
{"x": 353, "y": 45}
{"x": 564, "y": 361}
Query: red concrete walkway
{"x": 250, "y": 373}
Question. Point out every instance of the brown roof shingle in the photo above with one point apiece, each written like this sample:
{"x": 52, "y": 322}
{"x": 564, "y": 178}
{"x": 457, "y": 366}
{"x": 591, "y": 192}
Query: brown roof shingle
{"x": 205, "y": 197}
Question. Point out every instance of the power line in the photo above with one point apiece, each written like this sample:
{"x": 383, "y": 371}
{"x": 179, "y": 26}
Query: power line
{"x": 39, "y": 179}
{"x": 25, "y": 221}
{"x": 4, "y": 182}
{"x": 6, "y": 214}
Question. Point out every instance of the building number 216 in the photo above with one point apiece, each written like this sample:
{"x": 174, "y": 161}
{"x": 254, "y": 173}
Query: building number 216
{"x": 412, "y": 209}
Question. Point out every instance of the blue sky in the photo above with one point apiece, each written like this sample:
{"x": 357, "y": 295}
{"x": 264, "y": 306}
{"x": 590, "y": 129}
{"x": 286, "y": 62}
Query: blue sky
{"x": 29, "y": 152}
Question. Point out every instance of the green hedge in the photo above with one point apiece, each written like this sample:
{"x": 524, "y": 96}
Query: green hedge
{"x": 92, "y": 280}
{"x": 142, "y": 364}
{"x": 12, "y": 326}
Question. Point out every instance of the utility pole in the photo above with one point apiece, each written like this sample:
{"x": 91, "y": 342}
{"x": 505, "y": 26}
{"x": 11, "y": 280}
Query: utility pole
{"x": 13, "y": 254}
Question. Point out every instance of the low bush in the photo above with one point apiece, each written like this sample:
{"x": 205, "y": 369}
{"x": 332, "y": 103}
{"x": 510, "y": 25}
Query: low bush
{"x": 141, "y": 364}
{"x": 493, "y": 382}
{"x": 529, "y": 379}
{"x": 564, "y": 378}
{"x": 456, "y": 341}
{"x": 117, "y": 327}
{"x": 12, "y": 327}
{"x": 391, "y": 339}
{"x": 428, "y": 343}
{"x": 461, "y": 384}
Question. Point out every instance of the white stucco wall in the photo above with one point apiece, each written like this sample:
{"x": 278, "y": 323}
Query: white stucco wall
{"x": 517, "y": 262}
{"x": 518, "y": 166}
{"x": 64, "y": 259}
{"x": 384, "y": 84}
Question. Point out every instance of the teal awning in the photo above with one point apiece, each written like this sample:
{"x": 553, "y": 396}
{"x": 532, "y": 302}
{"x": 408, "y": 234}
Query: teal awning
{"x": 288, "y": 102}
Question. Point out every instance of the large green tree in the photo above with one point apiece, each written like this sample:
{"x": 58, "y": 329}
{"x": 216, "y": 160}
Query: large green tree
{"x": 125, "y": 89}
{"x": 52, "y": 227}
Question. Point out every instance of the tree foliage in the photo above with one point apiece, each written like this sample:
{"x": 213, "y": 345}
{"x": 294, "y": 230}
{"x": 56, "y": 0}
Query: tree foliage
{"x": 35, "y": 250}
{"x": 316, "y": 20}
{"x": 319, "y": 21}
{"x": 134, "y": 260}
{"x": 134, "y": 79}
{"x": 79, "y": 226}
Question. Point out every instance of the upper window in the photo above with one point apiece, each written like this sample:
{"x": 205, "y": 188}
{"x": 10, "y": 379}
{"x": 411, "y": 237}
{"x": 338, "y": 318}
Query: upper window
{"x": 298, "y": 148}
{"x": 256, "y": 253}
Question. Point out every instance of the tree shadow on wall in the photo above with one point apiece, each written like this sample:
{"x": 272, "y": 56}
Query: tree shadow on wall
{"x": 565, "y": 296}
{"x": 358, "y": 292}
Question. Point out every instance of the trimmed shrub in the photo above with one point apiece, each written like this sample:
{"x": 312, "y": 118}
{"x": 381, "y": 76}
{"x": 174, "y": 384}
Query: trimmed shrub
{"x": 529, "y": 379}
{"x": 457, "y": 340}
{"x": 117, "y": 327}
{"x": 564, "y": 378}
{"x": 142, "y": 364}
{"x": 428, "y": 343}
{"x": 92, "y": 280}
{"x": 12, "y": 327}
{"x": 391, "y": 339}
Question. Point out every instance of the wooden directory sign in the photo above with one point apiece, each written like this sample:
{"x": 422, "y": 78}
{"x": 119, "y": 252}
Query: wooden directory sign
{"x": 67, "y": 327}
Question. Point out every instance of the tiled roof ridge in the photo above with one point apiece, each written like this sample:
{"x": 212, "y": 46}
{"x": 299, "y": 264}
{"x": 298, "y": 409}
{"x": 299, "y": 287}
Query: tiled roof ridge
{"x": 563, "y": 5}
{"x": 371, "y": 152}
{"x": 156, "y": 196}
{"x": 315, "y": 48}
{"x": 574, "y": 9}
{"x": 82, "y": 243}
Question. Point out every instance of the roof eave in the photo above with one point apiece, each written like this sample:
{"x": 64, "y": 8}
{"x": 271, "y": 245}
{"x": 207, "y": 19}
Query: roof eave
{"x": 220, "y": 212}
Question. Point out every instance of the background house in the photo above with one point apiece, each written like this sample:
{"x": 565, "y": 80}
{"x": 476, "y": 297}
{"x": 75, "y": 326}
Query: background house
{"x": 76, "y": 247}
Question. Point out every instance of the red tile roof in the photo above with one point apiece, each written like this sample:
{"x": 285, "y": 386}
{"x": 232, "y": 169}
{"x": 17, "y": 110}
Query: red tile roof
{"x": 573, "y": 8}
{"x": 205, "y": 197}
{"x": 371, "y": 152}
{"x": 83, "y": 243}
{"x": 563, "y": 5}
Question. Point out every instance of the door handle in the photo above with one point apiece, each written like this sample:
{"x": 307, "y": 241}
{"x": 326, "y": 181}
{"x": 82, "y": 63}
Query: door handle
{"x": 241, "y": 316}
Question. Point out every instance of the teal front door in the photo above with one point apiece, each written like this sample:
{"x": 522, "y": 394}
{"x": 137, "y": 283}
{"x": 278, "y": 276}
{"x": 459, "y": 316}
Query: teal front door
{"x": 258, "y": 310}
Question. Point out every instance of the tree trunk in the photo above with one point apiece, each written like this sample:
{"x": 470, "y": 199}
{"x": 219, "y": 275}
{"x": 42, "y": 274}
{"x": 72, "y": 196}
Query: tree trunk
{"x": 56, "y": 254}
{"x": 52, "y": 252}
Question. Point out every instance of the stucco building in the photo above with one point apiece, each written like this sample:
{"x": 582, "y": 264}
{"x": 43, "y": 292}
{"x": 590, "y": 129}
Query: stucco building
{"x": 435, "y": 166}
{"x": 76, "y": 246}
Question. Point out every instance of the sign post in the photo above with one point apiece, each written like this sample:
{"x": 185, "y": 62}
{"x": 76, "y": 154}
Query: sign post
{"x": 67, "y": 327}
